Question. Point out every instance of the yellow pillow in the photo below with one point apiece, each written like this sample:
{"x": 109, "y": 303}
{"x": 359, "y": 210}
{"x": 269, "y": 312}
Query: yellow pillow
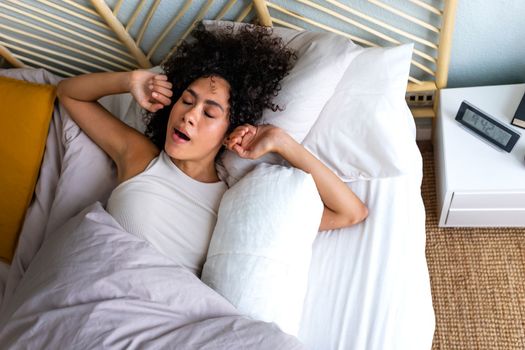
{"x": 25, "y": 112}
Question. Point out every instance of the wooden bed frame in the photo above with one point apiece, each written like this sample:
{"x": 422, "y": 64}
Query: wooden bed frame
{"x": 90, "y": 48}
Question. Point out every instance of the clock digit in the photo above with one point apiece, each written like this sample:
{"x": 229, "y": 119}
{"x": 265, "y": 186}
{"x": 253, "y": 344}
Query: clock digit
{"x": 484, "y": 123}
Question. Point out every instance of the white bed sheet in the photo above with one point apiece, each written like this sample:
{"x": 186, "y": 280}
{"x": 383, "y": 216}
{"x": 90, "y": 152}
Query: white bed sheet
{"x": 369, "y": 286}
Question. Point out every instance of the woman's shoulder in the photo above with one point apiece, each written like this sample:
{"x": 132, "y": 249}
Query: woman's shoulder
{"x": 137, "y": 160}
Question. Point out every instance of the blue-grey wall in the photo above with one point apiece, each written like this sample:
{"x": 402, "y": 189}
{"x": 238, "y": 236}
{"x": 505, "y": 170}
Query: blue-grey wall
{"x": 488, "y": 46}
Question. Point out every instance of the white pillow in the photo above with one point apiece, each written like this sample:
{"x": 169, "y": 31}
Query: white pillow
{"x": 322, "y": 59}
{"x": 260, "y": 251}
{"x": 366, "y": 129}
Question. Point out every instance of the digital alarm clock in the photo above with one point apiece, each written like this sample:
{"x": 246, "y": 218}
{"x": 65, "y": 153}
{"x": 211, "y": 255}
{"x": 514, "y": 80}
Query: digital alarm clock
{"x": 487, "y": 127}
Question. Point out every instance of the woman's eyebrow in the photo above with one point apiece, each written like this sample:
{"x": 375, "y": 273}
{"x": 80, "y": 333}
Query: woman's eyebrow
{"x": 210, "y": 102}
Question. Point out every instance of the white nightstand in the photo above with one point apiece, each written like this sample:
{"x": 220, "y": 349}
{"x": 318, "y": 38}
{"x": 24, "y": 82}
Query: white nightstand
{"x": 477, "y": 185}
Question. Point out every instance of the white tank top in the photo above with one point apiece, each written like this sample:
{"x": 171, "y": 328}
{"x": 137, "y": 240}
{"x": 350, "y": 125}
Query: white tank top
{"x": 171, "y": 210}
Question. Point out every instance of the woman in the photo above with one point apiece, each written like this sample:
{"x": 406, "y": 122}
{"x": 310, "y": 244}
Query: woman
{"x": 214, "y": 89}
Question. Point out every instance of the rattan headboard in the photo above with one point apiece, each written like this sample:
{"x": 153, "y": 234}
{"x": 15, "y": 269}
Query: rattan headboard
{"x": 73, "y": 37}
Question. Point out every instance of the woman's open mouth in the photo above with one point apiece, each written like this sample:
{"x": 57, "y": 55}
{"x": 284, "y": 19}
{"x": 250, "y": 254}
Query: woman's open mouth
{"x": 179, "y": 136}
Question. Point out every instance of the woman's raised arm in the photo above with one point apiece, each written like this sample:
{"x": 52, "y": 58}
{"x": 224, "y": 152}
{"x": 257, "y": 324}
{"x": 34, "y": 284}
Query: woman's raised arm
{"x": 342, "y": 207}
{"x": 79, "y": 96}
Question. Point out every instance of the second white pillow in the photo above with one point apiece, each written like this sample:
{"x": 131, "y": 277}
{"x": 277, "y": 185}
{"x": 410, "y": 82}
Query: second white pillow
{"x": 366, "y": 129}
{"x": 259, "y": 254}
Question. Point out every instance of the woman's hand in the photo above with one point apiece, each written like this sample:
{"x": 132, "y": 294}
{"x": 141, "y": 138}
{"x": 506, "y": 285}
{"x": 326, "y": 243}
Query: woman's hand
{"x": 152, "y": 91}
{"x": 253, "y": 142}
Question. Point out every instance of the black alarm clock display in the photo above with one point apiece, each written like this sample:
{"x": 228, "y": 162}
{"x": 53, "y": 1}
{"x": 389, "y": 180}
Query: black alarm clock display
{"x": 487, "y": 127}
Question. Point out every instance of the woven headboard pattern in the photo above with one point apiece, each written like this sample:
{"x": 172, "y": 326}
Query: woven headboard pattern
{"x": 71, "y": 37}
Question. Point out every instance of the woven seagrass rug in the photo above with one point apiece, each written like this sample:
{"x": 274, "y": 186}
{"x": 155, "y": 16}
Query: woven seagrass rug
{"x": 477, "y": 277}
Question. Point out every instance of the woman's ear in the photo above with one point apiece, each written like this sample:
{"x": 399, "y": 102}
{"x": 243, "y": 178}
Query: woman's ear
{"x": 226, "y": 138}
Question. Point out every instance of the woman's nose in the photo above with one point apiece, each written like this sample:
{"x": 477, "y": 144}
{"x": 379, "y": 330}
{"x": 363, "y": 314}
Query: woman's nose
{"x": 191, "y": 116}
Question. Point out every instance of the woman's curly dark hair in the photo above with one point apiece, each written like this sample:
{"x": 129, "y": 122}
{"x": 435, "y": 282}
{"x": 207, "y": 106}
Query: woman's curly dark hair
{"x": 250, "y": 59}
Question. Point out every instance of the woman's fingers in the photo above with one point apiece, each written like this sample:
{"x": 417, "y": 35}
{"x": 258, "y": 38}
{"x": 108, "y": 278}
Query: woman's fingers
{"x": 163, "y": 91}
{"x": 244, "y": 153}
{"x": 232, "y": 141}
{"x": 157, "y": 106}
{"x": 160, "y": 77}
{"x": 162, "y": 83}
{"x": 161, "y": 86}
{"x": 239, "y": 150}
{"x": 247, "y": 138}
{"x": 151, "y": 91}
{"x": 152, "y": 106}
{"x": 252, "y": 142}
{"x": 241, "y": 136}
{"x": 161, "y": 98}
{"x": 160, "y": 89}
{"x": 236, "y": 137}
{"x": 241, "y": 131}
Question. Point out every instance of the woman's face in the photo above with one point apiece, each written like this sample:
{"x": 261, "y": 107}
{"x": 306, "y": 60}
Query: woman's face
{"x": 199, "y": 121}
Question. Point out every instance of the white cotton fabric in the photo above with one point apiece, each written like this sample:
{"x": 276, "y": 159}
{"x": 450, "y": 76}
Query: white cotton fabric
{"x": 366, "y": 130}
{"x": 169, "y": 209}
{"x": 259, "y": 255}
{"x": 369, "y": 286}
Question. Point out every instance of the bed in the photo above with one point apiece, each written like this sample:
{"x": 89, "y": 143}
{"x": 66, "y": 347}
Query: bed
{"x": 363, "y": 287}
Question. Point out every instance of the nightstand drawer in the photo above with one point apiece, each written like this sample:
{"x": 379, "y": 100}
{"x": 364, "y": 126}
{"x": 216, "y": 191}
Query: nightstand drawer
{"x": 506, "y": 217}
{"x": 488, "y": 200}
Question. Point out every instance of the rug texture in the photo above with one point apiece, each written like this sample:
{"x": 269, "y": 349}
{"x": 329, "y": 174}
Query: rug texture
{"x": 477, "y": 277}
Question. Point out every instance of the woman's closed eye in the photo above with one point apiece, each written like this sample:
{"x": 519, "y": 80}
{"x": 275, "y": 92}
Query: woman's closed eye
{"x": 189, "y": 103}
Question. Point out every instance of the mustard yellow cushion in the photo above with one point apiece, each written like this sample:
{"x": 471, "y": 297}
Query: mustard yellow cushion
{"x": 25, "y": 113}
